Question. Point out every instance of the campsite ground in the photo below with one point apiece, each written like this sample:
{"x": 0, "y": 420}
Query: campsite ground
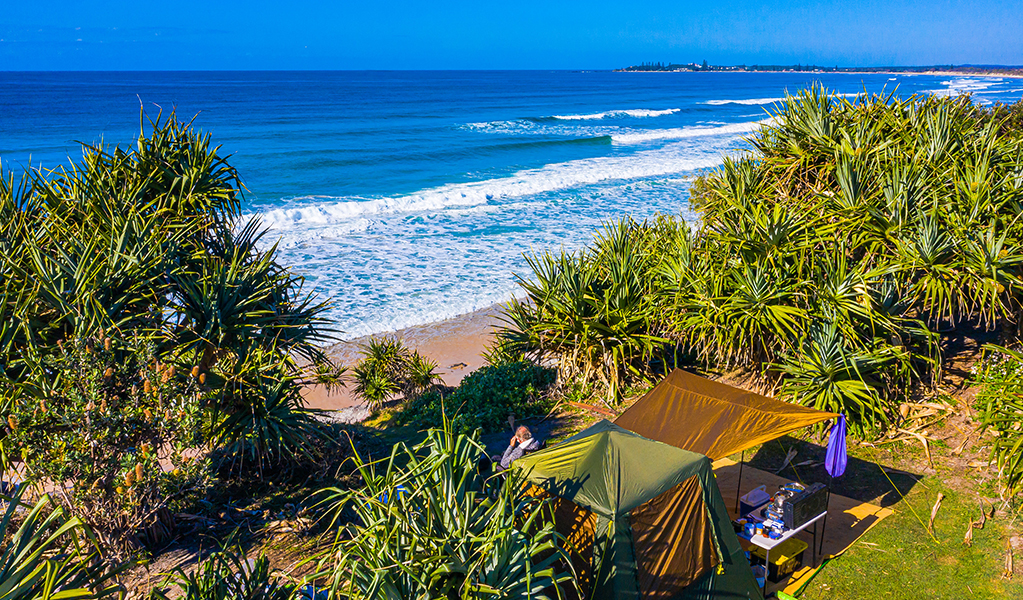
{"x": 904, "y": 557}
{"x": 899, "y": 558}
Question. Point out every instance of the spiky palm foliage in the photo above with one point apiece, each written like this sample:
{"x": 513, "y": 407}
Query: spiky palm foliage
{"x": 428, "y": 525}
{"x": 227, "y": 575}
{"x": 259, "y": 417}
{"x": 50, "y": 555}
{"x": 593, "y": 312}
{"x": 388, "y": 368}
{"x": 148, "y": 241}
{"x": 896, "y": 209}
{"x": 1000, "y": 411}
{"x": 879, "y": 220}
{"x": 421, "y": 375}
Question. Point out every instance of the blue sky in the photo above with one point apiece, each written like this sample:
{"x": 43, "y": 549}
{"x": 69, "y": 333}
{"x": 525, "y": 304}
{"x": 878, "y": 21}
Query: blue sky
{"x": 501, "y": 34}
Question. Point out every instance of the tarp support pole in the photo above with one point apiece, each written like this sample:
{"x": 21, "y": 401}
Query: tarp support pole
{"x": 738, "y": 484}
{"x": 827, "y": 505}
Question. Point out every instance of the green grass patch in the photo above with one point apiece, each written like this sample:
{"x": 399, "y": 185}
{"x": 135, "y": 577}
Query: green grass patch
{"x": 899, "y": 559}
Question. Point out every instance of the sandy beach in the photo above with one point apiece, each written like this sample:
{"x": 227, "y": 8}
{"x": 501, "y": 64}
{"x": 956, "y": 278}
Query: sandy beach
{"x": 456, "y": 344}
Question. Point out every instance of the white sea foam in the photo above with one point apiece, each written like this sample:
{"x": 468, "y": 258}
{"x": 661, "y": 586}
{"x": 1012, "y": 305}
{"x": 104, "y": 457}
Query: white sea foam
{"x": 635, "y": 112}
{"x": 761, "y": 101}
{"x": 618, "y": 134}
{"x": 331, "y": 232}
{"x": 414, "y": 269}
{"x": 681, "y": 133}
{"x": 745, "y": 101}
{"x": 517, "y": 126}
{"x": 321, "y": 219}
{"x": 964, "y": 85}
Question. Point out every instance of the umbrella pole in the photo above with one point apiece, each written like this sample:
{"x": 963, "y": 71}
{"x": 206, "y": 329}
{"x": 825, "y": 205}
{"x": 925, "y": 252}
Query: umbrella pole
{"x": 738, "y": 484}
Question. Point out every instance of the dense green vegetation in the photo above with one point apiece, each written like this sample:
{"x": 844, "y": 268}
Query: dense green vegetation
{"x": 389, "y": 369}
{"x": 149, "y": 346}
{"x": 227, "y": 575}
{"x": 829, "y": 259}
{"x": 429, "y": 524}
{"x": 485, "y": 399}
{"x": 144, "y": 328}
{"x": 45, "y": 553}
{"x": 999, "y": 403}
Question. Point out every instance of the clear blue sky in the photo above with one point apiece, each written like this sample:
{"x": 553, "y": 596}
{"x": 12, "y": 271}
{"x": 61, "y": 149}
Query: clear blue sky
{"x": 501, "y": 34}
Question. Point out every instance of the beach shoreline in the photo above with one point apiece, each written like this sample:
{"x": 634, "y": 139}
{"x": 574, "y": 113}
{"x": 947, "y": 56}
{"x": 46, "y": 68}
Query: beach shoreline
{"x": 905, "y": 73}
{"x": 456, "y": 344}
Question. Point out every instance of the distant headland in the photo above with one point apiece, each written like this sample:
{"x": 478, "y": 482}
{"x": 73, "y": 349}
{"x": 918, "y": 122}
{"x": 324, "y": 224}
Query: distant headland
{"x": 988, "y": 70}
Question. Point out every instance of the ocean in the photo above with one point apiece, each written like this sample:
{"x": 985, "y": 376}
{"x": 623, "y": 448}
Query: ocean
{"x": 411, "y": 197}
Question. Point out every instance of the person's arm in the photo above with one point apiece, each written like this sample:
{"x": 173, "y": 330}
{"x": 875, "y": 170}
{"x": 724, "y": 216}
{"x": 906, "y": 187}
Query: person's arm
{"x": 513, "y": 452}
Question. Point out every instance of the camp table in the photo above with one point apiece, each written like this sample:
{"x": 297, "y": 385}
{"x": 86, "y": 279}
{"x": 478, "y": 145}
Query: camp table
{"x": 767, "y": 543}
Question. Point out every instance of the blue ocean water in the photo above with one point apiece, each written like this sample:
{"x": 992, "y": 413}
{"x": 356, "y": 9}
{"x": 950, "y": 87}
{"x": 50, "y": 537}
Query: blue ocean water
{"x": 410, "y": 197}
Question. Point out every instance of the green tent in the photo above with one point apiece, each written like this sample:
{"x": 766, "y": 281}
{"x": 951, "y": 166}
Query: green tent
{"x": 646, "y": 519}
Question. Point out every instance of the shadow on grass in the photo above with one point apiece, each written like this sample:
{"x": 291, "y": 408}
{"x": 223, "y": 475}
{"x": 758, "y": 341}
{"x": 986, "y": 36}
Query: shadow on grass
{"x": 863, "y": 480}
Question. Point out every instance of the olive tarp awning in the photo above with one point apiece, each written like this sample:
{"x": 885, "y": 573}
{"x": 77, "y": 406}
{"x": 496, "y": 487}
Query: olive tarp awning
{"x": 649, "y": 516}
{"x": 712, "y": 418}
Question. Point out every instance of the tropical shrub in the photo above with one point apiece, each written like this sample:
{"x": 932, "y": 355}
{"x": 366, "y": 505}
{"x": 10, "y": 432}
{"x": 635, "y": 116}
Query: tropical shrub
{"x": 592, "y": 312}
{"x": 999, "y": 404}
{"x": 51, "y": 555}
{"x": 118, "y": 433}
{"x": 427, "y": 524}
{"x": 485, "y": 399}
{"x": 227, "y": 575}
{"x": 829, "y": 259}
{"x": 389, "y": 368}
{"x": 144, "y": 249}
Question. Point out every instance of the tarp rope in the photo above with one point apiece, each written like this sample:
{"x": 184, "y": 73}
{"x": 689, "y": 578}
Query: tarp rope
{"x": 902, "y": 497}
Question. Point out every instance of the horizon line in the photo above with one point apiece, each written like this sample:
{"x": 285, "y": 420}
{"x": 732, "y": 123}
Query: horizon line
{"x": 449, "y": 70}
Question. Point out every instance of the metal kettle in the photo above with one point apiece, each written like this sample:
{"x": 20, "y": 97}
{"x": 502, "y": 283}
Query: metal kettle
{"x": 781, "y": 498}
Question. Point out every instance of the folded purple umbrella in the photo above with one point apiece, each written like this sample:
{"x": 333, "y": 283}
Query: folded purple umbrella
{"x": 836, "y": 458}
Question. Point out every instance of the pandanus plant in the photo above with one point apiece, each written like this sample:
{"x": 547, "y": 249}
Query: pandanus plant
{"x": 388, "y": 368}
{"x": 149, "y": 242}
{"x": 429, "y": 524}
{"x": 883, "y": 220}
{"x": 593, "y": 312}
{"x": 51, "y": 555}
{"x": 227, "y": 575}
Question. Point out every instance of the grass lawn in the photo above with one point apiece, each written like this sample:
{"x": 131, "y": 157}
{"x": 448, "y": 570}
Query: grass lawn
{"x": 898, "y": 559}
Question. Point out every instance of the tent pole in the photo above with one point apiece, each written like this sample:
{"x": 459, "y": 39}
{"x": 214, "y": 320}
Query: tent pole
{"x": 827, "y": 506}
{"x": 738, "y": 484}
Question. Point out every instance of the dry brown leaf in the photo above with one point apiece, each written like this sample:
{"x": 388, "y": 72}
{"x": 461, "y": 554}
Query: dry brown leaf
{"x": 968, "y": 538}
{"x": 934, "y": 405}
{"x": 1009, "y": 566}
{"x": 788, "y": 458}
{"x": 983, "y": 519}
{"x": 934, "y": 511}
{"x": 961, "y": 447}
{"x": 923, "y": 441}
